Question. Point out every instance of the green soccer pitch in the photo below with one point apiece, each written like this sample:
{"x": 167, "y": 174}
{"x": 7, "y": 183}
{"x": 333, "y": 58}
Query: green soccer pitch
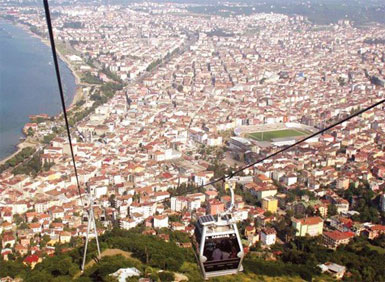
{"x": 268, "y": 135}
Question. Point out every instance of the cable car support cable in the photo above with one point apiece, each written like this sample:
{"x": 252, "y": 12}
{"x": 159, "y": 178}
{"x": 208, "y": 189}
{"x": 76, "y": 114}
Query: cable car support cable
{"x": 220, "y": 247}
{"x": 91, "y": 228}
{"x": 55, "y": 60}
{"x": 232, "y": 174}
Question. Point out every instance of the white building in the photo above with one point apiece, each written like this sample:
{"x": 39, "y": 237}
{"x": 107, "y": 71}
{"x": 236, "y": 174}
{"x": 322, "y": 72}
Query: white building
{"x": 178, "y": 203}
{"x": 145, "y": 209}
{"x": 290, "y": 179}
{"x": 268, "y": 236}
{"x": 19, "y": 207}
{"x": 194, "y": 204}
{"x": 100, "y": 191}
{"x": 160, "y": 221}
{"x": 127, "y": 223}
{"x": 336, "y": 270}
{"x": 214, "y": 141}
{"x": 203, "y": 177}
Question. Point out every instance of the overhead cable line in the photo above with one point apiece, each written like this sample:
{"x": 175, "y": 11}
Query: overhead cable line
{"x": 223, "y": 178}
{"x": 54, "y": 55}
{"x": 231, "y": 175}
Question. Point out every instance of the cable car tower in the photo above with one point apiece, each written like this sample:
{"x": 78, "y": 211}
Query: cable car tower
{"x": 91, "y": 228}
{"x": 219, "y": 244}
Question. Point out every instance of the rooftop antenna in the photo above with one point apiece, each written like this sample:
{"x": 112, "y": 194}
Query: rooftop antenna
{"x": 91, "y": 228}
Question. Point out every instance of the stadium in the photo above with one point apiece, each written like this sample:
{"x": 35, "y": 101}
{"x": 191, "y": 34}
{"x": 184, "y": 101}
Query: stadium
{"x": 278, "y": 134}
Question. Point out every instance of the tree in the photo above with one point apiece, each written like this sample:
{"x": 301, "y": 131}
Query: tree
{"x": 38, "y": 276}
{"x": 111, "y": 199}
{"x": 341, "y": 81}
{"x": 91, "y": 79}
{"x": 154, "y": 64}
{"x": 48, "y": 138}
{"x": 136, "y": 197}
{"x": 268, "y": 213}
{"x": 166, "y": 276}
{"x": 112, "y": 75}
{"x": 12, "y": 268}
{"x": 174, "y": 218}
{"x": 48, "y": 165}
{"x": 23, "y": 226}
{"x": 150, "y": 250}
{"x": 310, "y": 211}
{"x": 332, "y": 210}
{"x": 30, "y": 131}
{"x": 44, "y": 240}
{"x": 290, "y": 197}
{"x": 58, "y": 265}
{"x": 17, "y": 219}
{"x": 108, "y": 265}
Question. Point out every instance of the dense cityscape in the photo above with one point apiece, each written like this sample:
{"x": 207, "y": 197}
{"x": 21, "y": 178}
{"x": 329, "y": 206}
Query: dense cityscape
{"x": 169, "y": 100}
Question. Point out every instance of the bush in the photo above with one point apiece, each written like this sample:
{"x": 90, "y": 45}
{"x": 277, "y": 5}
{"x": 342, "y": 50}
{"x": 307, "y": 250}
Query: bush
{"x": 149, "y": 249}
{"x": 12, "y": 269}
{"x": 108, "y": 265}
{"x": 91, "y": 79}
{"x": 18, "y": 158}
{"x": 166, "y": 276}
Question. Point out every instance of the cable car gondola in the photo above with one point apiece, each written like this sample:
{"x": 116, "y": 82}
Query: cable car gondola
{"x": 219, "y": 244}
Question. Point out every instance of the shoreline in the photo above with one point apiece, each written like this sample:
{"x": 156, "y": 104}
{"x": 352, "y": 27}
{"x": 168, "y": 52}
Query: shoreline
{"x": 65, "y": 60}
{"x": 79, "y": 89}
{"x": 78, "y": 95}
{"x": 20, "y": 146}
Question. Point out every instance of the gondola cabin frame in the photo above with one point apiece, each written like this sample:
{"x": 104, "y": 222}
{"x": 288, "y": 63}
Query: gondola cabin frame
{"x": 220, "y": 250}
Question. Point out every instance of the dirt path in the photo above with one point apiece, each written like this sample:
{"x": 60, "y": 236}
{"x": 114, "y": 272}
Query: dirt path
{"x": 106, "y": 253}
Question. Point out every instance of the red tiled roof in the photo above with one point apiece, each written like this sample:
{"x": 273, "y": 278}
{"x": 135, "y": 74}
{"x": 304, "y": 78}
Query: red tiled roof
{"x": 31, "y": 259}
{"x": 338, "y": 235}
{"x": 269, "y": 231}
{"x": 310, "y": 220}
{"x": 378, "y": 227}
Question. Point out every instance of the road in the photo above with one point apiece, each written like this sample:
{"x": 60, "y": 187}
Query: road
{"x": 192, "y": 38}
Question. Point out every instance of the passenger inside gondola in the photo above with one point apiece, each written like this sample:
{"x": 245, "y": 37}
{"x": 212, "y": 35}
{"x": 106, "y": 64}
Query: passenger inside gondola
{"x": 221, "y": 249}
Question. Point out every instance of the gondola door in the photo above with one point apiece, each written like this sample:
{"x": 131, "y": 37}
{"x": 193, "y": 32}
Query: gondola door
{"x": 221, "y": 254}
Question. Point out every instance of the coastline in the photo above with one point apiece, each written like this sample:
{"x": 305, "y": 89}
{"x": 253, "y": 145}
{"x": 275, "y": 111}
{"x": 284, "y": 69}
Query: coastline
{"x": 62, "y": 57}
{"x": 79, "y": 89}
{"x": 78, "y": 95}
{"x": 20, "y": 146}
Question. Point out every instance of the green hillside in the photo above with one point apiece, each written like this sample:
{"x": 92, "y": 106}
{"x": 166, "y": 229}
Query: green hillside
{"x": 164, "y": 261}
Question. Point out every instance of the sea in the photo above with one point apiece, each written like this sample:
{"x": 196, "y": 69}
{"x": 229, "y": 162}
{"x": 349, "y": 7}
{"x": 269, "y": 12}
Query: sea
{"x": 28, "y": 83}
